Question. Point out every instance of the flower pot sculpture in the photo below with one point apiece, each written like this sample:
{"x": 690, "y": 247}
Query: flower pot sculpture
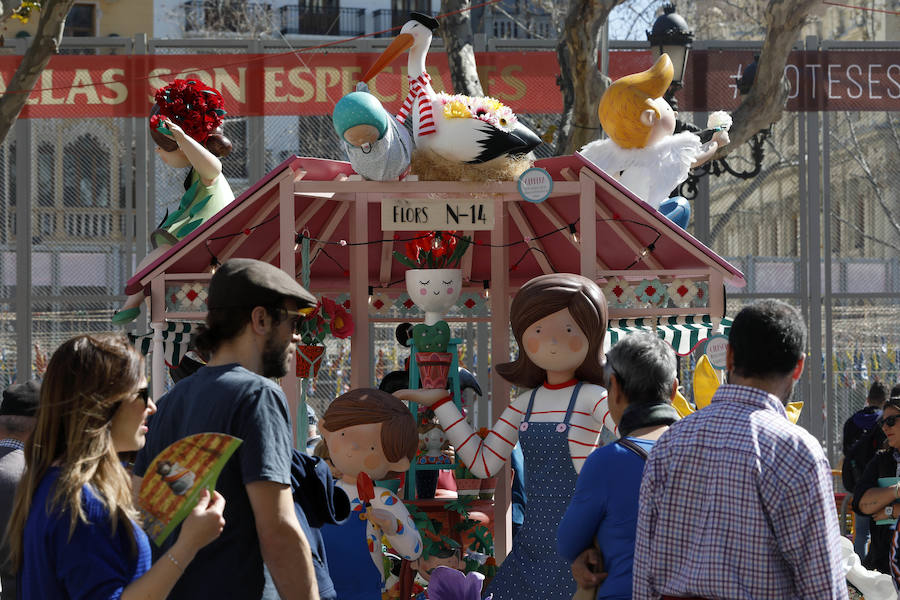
{"x": 433, "y": 283}
{"x": 327, "y": 317}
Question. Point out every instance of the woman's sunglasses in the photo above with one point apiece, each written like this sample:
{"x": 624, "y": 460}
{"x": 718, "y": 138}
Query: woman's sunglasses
{"x": 144, "y": 394}
{"x": 889, "y": 421}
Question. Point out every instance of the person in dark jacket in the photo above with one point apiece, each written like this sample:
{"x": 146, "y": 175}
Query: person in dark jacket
{"x": 878, "y": 491}
{"x": 317, "y": 501}
{"x": 856, "y": 427}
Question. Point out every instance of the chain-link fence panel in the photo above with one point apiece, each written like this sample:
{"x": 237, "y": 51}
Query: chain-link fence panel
{"x": 8, "y": 185}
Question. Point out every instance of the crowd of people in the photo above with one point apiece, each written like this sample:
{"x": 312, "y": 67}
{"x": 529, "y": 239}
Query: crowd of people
{"x": 732, "y": 502}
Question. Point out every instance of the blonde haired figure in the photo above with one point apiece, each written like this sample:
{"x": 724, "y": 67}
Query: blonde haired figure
{"x": 643, "y": 151}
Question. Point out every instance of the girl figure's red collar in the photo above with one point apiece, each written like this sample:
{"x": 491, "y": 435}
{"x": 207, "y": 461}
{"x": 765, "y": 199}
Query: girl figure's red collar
{"x": 559, "y": 386}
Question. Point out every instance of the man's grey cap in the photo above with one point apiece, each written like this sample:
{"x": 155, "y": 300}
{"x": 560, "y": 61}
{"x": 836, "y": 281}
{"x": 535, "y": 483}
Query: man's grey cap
{"x": 21, "y": 399}
{"x": 246, "y": 282}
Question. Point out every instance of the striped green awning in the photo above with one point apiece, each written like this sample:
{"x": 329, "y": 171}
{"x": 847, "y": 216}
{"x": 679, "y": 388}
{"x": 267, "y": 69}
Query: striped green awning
{"x": 682, "y": 333}
{"x": 176, "y": 339}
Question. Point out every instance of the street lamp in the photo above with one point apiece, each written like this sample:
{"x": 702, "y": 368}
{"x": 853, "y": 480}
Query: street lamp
{"x": 688, "y": 187}
{"x": 670, "y": 35}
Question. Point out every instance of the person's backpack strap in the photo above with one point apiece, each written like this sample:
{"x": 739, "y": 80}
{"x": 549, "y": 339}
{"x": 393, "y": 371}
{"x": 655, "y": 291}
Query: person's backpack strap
{"x": 634, "y": 447}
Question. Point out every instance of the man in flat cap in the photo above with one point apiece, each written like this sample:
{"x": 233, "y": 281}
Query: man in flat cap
{"x": 20, "y": 402}
{"x": 250, "y": 335}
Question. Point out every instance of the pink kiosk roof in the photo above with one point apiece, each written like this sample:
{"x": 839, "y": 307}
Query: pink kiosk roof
{"x": 624, "y": 225}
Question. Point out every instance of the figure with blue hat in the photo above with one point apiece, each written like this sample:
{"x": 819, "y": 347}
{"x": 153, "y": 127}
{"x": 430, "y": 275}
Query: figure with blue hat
{"x": 377, "y": 145}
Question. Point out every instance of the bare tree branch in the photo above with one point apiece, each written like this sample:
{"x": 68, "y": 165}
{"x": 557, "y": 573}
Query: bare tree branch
{"x": 765, "y": 102}
{"x": 456, "y": 31}
{"x": 45, "y": 44}
{"x": 862, "y": 232}
{"x": 855, "y": 150}
{"x": 580, "y": 80}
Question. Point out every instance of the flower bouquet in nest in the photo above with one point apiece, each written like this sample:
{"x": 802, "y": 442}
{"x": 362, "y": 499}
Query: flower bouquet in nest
{"x": 433, "y": 282}
{"x": 327, "y": 317}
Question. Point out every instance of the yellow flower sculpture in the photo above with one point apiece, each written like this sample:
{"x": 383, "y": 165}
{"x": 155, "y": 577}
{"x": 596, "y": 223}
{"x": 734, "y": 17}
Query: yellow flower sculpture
{"x": 456, "y": 109}
{"x": 706, "y": 382}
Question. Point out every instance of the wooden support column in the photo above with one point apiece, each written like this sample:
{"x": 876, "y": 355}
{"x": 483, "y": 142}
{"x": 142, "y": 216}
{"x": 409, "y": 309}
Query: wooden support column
{"x": 289, "y": 382}
{"x": 360, "y": 363}
{"x": 499, "y": 387}
{"x": 158, "y": 323}
{"x": 587, "y": 226}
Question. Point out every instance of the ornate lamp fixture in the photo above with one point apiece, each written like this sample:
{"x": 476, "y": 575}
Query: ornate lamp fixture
{"x": 670, "y": 35}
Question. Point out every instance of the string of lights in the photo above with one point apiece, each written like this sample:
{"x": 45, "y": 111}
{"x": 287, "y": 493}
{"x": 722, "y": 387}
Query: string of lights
{"x": 214, "y": 262}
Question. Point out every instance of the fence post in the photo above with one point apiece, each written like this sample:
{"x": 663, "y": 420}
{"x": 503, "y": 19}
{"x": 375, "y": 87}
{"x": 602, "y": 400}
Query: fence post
{"x": 256, "y": 135}
{"x": 832, "y": 431}
{"x": 814, "y": 209}
{"x": 143, "y": 209}
{"x": 24, "y": 296}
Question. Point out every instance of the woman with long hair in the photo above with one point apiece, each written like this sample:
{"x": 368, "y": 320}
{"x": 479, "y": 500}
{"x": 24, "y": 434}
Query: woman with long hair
{"x": 74, "y": 529}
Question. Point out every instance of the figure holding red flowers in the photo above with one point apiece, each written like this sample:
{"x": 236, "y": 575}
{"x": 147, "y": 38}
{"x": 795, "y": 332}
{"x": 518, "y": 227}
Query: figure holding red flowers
{"x": 185, "y": 123}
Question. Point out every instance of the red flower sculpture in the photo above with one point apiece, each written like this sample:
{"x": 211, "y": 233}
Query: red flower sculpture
{"x": 434, "y": 250}
{"x": 194, "y": 106}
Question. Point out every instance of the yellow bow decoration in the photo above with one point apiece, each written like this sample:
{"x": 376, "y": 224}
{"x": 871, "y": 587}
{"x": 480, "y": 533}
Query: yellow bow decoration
{"x": 706, "y": 382}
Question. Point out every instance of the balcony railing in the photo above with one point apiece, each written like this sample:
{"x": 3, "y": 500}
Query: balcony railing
{"x": 385, "y": 20}
{"x": 522, "y": 26}
{"x": 232, "y": 16}
{"x": 323, "y": 21}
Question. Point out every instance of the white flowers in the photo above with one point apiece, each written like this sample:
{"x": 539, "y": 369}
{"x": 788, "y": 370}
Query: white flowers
{"x": 484, "y": 108}
{"x": 719, "y": 119}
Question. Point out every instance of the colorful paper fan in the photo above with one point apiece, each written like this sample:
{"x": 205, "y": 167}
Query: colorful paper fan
{"x": 176, "y": 478}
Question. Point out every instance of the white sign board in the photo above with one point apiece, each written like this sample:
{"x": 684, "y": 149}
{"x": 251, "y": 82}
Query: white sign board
{"x": 715, "y": 350}
{"x": 473, "y": 214}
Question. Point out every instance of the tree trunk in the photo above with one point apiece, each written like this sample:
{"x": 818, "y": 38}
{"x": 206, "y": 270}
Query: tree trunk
{"x": 765, "y": 102}
{"x": 581, "y": 81}
{"x": 45, "y": 44}
{"x": 456, "y": 31}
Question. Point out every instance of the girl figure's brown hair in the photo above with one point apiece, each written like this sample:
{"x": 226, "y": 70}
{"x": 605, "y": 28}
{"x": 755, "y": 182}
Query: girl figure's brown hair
{"x": 88, "y": 377}
{"x": 548, "y": 294}
{"x": 399, "y": 438}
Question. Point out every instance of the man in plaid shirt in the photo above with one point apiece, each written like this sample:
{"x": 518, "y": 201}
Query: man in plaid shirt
{"x": 736, "y": 501}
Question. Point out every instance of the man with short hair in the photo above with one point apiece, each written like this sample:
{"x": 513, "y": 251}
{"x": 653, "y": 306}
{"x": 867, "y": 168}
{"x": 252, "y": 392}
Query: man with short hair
{"x": 736, "y": 501}
{"x": 253, "y": 311}
{"x": 20, "y": 402}
{"x": 862, "y": 427}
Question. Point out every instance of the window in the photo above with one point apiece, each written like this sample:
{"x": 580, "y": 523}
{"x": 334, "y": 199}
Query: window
{"x": 235, "y": 164}
{"x": 81, "y": 21}
{"x": 46, "y": 179}
{"x": 86, "y": 165}
{"x": 400, "y": 10}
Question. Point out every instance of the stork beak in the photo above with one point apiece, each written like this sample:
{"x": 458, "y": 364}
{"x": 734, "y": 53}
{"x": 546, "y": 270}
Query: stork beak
{"x": 401, "y": 43}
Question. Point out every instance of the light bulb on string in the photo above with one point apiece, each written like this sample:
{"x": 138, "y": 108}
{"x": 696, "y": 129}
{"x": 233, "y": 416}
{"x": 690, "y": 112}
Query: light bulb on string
{"x": 487, "y": 288}
{"x": 371, "y": 293}
{"x": 573, "y": 232}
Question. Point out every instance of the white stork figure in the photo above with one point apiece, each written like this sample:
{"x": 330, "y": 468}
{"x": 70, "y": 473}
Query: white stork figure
{"x": 458, "y": 128}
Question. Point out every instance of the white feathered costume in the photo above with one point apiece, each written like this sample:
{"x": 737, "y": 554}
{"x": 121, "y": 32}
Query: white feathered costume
{"x": 651, "y": 173}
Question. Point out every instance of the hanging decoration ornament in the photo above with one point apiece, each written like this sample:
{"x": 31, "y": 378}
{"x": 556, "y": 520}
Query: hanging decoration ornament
{"x": 682, "y": 292}
{"x": 651, "y": 292}
{"x": 618, "y": 292}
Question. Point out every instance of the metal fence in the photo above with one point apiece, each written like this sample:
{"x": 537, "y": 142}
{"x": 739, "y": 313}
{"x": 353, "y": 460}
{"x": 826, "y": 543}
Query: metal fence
{"x": 818, "y": 227}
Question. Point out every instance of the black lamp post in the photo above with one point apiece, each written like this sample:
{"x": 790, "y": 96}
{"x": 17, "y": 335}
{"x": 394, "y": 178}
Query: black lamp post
{"x": 670, "y": 35}
{"x": 688, "y": 188}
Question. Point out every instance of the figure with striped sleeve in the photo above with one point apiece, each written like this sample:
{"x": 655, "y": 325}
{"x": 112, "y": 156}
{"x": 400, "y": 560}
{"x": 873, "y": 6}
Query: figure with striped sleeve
{"x": 559, "y": 322}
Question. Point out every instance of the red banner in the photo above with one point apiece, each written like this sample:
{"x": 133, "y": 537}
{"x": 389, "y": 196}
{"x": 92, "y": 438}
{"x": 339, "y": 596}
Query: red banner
{"x": 310, "y": 84}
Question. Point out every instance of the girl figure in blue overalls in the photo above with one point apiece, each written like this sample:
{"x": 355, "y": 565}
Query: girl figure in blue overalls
{"x": 559, "y": 322}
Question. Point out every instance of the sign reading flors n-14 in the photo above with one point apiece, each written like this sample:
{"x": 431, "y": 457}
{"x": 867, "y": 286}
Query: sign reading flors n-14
{"x": 424, "y": 215}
